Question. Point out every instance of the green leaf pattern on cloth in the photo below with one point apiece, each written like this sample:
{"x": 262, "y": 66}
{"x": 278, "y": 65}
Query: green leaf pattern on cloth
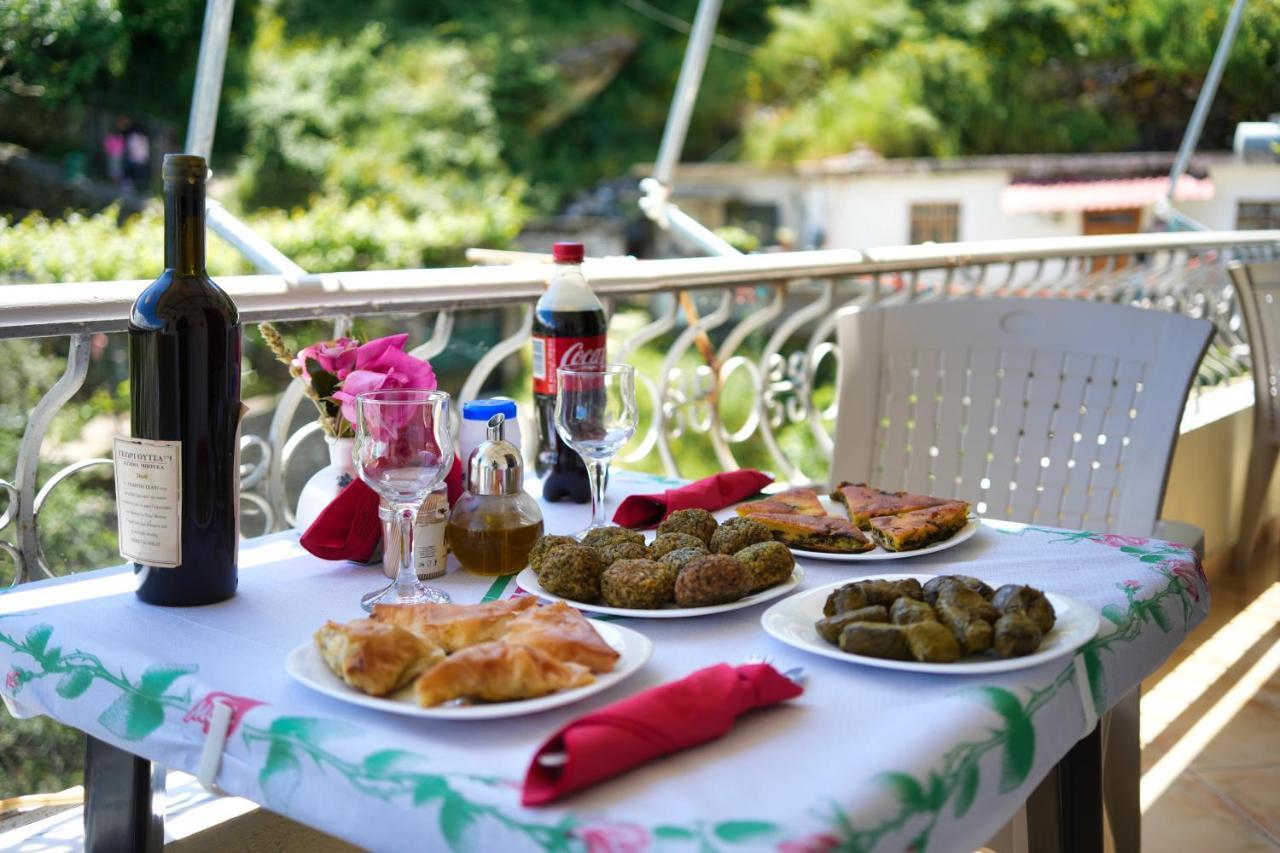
{"x": 960, "y": 775}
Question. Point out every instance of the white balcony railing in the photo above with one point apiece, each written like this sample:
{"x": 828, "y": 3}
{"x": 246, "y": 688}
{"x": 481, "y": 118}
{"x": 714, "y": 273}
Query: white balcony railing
{"x": 770, "y": 318}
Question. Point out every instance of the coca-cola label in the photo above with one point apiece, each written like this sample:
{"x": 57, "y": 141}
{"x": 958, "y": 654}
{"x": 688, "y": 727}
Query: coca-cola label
{"x": 552, "y": 353}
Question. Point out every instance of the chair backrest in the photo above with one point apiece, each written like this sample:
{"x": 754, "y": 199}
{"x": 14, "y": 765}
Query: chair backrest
{"x": 1043, "y": 411}
{"x": 1258, "y": 295}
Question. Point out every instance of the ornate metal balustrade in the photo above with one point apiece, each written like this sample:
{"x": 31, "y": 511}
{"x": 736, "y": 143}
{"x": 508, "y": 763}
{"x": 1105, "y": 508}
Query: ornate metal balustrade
{"x": 744, "y": 346}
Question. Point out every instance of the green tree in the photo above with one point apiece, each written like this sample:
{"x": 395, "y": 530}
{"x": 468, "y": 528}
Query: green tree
{"x": 940, "y": 78}
{"x": 54, "y": 48}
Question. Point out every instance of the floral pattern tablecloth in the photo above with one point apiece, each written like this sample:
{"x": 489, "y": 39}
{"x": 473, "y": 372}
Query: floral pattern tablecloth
{"x": 865, "y": 760}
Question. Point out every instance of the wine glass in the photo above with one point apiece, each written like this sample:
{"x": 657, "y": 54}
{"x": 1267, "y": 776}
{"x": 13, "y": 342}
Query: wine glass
{"x": 596, "y": 416}
{"x": 403, "y": 451}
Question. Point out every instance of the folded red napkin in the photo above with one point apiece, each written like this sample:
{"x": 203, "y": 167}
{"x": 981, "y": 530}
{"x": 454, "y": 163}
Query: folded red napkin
{"x": 710, "y": 493}
{"x": 697, "y": 708}
{"x": 349, "y": 527}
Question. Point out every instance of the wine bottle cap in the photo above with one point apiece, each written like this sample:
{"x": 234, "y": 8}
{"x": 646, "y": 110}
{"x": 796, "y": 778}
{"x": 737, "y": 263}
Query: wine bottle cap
{"x": 567, "y": 253}
{"x": 184, "y": 167}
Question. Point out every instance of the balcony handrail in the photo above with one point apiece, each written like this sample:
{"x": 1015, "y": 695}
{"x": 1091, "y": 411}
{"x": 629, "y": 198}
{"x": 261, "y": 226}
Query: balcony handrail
{"x": 38, "y": 310}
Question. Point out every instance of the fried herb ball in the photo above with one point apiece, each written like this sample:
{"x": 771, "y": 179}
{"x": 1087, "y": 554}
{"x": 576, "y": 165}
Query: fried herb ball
{"x": 668, "y": 542}
{"x": 603, "y": 537}
{"x": 623, "y": 551}
{"x": 711, "y": 579}
{"x": 681, "y": 557}
{"x": 738, "y": 533}
{"x": 573, "y": 572}
{"x": 638, "y": 584}
{"x": 767, "y": 564}
{"x": 695, "y": 522}
{"x": 544, "y": 546}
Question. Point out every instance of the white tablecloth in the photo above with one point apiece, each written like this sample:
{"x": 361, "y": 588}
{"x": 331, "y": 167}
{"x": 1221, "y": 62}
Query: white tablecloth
{"x": 873, "y": 759}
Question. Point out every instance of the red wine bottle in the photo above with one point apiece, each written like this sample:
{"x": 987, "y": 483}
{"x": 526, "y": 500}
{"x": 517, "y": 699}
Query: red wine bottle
{"x": 177, "y": 477}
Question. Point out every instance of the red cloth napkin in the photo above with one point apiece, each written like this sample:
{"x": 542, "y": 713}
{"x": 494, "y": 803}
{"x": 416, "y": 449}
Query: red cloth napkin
{"x": 349, "y": 527}
{"x": 666, "y": 719}
{"x": 710, "y": 493}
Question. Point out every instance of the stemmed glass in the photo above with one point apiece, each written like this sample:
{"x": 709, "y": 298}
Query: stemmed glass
{"x": 596, "y": 416}
{"x": 403, "y": 450}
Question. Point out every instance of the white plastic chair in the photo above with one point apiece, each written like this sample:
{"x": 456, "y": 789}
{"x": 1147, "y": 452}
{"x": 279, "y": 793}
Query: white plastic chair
{"x": 1045, "y": 411}
{"x": 1258, "y": 295}
{"x": 1052, "y": 412}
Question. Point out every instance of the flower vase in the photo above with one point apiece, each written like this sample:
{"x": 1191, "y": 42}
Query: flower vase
{"x": 325, "y": 484}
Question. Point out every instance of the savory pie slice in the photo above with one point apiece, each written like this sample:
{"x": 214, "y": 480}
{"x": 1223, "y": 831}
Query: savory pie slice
{"x": 497, "y": 672}
{"x": 455, "y": 626}
{"x": 828, "y": 534}
{"x": 790, "y": 502}
{"x": 375, "y": 657}
{"x": 564, "y": 633}
{"x": 864, "y": 502}
{"x": 920, "y": 528}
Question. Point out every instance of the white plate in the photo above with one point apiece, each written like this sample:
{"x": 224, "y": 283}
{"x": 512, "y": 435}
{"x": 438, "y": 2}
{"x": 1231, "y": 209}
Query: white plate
{"x": 307, "y": 666}
{"x": 529, "y": 581}
{"x": 877, "y": 554}
{"x": 791, "y": 621}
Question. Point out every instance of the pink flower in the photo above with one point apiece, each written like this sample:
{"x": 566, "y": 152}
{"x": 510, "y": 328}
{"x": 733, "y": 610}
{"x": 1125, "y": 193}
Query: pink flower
{"x": 614, "y": 838}
{"x": 1190, "y": 575}
{"x": 390, "y": 368}
{"x": 368, "y": 355}
{"x": 1117, "y": 541}
{"x": 337, "y": 357}
{"x": 12, "y": 680}
{"x": 818, "y": 843}
{"x": 202, "y": 711}
{"x": 1132, "y": 585}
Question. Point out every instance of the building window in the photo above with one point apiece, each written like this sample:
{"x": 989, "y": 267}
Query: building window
{"x": 1255, "y": 215}
{"x": 935, "y": 223}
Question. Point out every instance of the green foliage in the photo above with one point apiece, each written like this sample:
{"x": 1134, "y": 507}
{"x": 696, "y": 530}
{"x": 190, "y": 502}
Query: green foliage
{"x": 941, "y": 78}
{"x": 54, "y": 48}
{"x": 402, "y": 134}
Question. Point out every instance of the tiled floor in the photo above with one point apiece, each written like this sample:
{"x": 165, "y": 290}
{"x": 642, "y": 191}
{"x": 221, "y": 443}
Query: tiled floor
{"x": 1211, "y": 755}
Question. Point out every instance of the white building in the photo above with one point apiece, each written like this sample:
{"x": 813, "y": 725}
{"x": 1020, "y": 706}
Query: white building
{"x": 862, "y": 200}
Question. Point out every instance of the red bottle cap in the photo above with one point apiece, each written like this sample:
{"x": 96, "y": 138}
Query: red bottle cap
{"x": 567, "y": 253}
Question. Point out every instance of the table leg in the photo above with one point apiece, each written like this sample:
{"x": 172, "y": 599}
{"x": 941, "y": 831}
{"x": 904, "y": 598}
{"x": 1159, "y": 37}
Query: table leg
{"x": 124, "y": 801}
{"x": 1064, "y": 814}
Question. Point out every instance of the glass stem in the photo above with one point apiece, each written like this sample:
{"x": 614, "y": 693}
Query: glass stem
{"x": 598, "y": 474}
{"x": 406, "y": 577}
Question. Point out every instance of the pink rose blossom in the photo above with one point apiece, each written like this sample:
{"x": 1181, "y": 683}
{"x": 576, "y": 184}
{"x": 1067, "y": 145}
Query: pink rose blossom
{"x": 614, "y": 838}
{"x": 391, "y": 368}
{"x": 202, "y": 711}
{"x": 819, "y": 843}
{"x": 12, "y": 680}
{"x": 368, "y": 354}
{"x": 1132, "y": 585}
{"x": 1190, "y": 575}
{"x": 1117, "y": 541}
{"x": 337, "y": 357}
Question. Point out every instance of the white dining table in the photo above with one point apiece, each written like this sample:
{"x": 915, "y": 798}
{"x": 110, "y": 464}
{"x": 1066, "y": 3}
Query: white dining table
{"x": 866, "y": 759}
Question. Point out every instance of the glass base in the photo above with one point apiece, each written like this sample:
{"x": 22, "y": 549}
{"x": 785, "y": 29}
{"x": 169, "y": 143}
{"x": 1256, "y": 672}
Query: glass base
{"x": 421, "y": 594}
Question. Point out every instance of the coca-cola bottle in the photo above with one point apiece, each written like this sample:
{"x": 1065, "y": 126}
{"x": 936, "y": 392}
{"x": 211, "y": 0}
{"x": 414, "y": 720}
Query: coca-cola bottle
{"x": 568, "y": 331}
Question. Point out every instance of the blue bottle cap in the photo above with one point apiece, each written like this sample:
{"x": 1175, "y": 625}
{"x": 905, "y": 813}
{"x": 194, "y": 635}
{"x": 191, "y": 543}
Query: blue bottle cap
{"x": 482, "y": 410}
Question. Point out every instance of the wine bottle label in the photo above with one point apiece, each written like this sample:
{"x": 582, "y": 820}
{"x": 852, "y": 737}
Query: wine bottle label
{"x": 552, "y": 353}
{"x": 149, "y": 500}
